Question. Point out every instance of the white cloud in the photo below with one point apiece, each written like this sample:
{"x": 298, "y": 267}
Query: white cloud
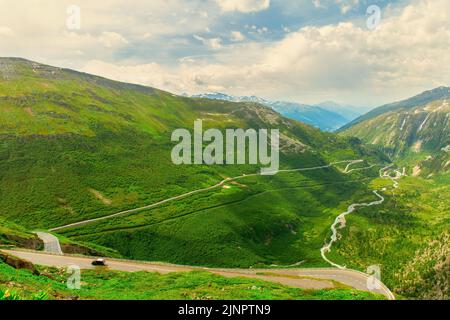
{"x": 245, "y": 6}
{"x": 345, "y": 8}
{"x": 318, "y": 4}
{"x": 212, "y": 43}
{"x": 42, "y": 34}
{"x": 407, "y": 53}
{"x": 237, "y": 36}
{"x": 6, "y": 31}
{"x": 344, "y": 5}
{"x": 263, "y": 30}
{"x": 112, "y": 39}
{"x": 150, "y": 73}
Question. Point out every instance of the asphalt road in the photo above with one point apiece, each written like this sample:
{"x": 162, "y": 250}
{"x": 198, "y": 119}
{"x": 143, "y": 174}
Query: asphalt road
{"x": 301, "y": 278}
{"x": 51, "y": 243}
{"x": 181, "y": 196}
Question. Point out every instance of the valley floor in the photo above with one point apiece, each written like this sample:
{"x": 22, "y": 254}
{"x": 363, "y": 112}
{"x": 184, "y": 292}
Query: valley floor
{"x": 407, "y": 238}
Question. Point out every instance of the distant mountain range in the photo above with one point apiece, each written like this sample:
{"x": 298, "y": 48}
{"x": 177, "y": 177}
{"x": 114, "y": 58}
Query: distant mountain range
{"x": 327, "y": 116}
{"x": 347, "y": 111}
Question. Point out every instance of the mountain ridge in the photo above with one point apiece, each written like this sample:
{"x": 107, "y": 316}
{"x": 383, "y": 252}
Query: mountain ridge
{"x": 415, "y": 101}
{"x": 77, "y": 147}
{"x": 328, "y": 117}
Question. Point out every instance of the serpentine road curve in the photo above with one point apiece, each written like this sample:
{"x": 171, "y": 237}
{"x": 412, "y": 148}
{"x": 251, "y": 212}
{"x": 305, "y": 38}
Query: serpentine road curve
{"x": 51, "y": 243}
{"x": 317, "y": 278}
{"x": 302, "y": 278}
{"x": 184, "y": 195}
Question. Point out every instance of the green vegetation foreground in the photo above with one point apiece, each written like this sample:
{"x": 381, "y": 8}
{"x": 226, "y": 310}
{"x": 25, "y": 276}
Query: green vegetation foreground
{"x": 113, "y": 285}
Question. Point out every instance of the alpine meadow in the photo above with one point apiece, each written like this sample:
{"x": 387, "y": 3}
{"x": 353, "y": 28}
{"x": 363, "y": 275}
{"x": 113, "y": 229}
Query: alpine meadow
{"x": 225, "y": 150}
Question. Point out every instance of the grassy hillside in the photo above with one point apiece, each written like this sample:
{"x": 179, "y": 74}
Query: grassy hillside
{"x": 75, "y": 146}
{"x": 327, "y": 118}
{"x": 441, "y": 93}
{"x": 408, "y": 130}
{"x": 281, "y": 220}
{"x": 12, "y": 234}
{"x": 408, "y": 238}
{"x": 109, "y": 285}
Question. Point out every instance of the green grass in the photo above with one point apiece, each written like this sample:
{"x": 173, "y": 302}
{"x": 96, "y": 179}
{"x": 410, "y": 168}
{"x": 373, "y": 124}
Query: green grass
{"x": 271, "y": 221}
{"x": 109, "y": 285}
{"x": 47, "y": 183}
{"x": 76, "y": 147}
{"x": 405, "y": 131}
{"x": 12, "y": 234}
{"x": 9, "y": 228}
{"x": 408, "y": 237}
{"x": 71, "y": 246}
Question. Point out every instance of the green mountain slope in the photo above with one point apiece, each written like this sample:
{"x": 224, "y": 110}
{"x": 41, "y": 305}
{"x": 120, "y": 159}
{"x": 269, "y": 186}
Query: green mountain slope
{"x": 419, "y": 129}
{"x": 75, "y": 146}
{"x": 416, "y": 135}
{"x": 408, "y": 236}
{"x": 441, "y": 93}
{"x": 324, "y": 118}
{"x": 12, "y": 234}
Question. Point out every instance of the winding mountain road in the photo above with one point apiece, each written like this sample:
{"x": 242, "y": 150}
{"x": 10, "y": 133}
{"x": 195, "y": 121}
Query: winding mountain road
{"x": 317, "y": 278}
{"x": 302, "y": 278}
{"x": 184, "y": 195}
{"x": 51, "y": 243}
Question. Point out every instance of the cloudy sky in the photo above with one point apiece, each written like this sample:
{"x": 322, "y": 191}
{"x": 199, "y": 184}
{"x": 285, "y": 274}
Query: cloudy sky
{"x": 305, "y": 50}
